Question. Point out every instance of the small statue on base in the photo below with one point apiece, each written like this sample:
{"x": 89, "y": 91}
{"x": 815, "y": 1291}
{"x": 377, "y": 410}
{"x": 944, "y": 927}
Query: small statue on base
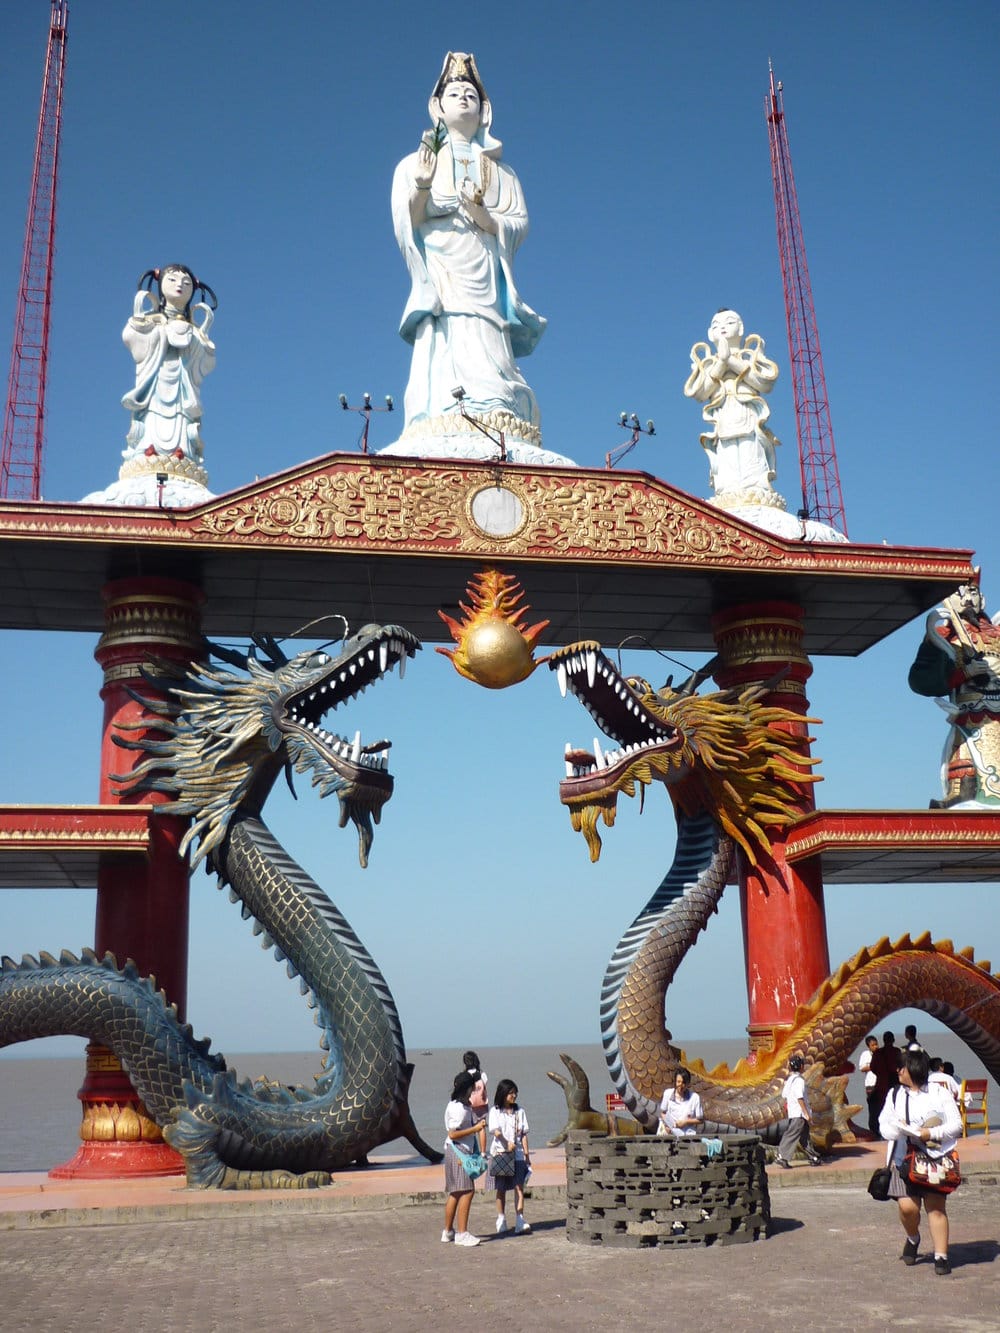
{"x": 164, "y": 455}
{"x": 731, "y": 382}
{"x": 960, "y": 657}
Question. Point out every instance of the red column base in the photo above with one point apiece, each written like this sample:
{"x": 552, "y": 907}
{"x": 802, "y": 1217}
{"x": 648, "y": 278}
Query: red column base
{"x": 763, "y": 1038}
{"x": 119, "y": 1138}
{"x": 108, "y": 1161}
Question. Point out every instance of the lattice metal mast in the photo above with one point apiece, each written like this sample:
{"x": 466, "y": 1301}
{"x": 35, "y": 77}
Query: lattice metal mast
{"x": 821, "y": 495}
{"x": 24, "y": 417}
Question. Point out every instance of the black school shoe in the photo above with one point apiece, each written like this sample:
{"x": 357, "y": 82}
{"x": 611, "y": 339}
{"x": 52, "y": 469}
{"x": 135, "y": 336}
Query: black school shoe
{"x": 909, "y": 1255}
{"x": 942, "y": 1266}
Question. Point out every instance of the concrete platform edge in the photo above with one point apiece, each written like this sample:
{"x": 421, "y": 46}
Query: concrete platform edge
{"x": 206, "y": 1205}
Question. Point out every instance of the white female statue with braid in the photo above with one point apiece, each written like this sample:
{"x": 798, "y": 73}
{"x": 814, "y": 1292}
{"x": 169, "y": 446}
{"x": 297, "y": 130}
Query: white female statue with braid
{"x": 172, "y": 355}
{"x": 163, "y": 456}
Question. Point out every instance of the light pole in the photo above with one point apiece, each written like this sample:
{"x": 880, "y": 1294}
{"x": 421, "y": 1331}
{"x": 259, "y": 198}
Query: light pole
{"x": 366, "y": 410}
{"x": 458, "y": 393}
{"x": 629, "y": 422}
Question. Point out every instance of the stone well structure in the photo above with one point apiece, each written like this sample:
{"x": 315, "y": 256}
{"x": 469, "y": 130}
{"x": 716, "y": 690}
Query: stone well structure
{"x": 644, "y": 1191}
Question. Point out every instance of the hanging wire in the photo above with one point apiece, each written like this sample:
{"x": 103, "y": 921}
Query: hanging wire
{"x": 296, "y": 633}
{"x": 641, "y": 638}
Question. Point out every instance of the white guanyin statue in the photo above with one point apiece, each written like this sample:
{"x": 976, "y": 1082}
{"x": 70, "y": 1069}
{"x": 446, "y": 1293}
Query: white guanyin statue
{"x": 459, "y": 217}
{"x": 163, "y": 455}
{"x": 731, "y": 382}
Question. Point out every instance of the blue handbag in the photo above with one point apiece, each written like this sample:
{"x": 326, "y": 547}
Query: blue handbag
{"x": 473, "y": 1163}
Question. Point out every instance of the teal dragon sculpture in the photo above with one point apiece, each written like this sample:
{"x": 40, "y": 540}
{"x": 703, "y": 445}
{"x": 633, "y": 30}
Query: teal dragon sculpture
{"x": 226, "y": 737}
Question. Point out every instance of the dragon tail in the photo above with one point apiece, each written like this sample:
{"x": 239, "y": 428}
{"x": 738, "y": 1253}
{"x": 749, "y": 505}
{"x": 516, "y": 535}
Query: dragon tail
{"x": 93, "y": 997}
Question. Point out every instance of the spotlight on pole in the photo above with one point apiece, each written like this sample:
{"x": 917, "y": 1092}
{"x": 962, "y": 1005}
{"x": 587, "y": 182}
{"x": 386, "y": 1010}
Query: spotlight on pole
{"x": 494, "y": 436}
{"x": 628, "y": 421}
{"x": 366, "y": 409}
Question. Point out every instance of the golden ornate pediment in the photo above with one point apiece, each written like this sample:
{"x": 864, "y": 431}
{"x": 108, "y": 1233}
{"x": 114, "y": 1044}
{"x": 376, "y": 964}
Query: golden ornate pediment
{"x": 487, "y": 510}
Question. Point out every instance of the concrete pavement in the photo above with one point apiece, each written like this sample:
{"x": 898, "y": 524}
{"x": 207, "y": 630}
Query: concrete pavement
{"x": 366, "y": 1254}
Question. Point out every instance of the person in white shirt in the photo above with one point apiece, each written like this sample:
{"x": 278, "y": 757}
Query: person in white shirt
{"x": 799, "y": 1115}
{"x": 923, "y": 1113}
{"x": 680, "y": 1108}
{"x": 938, "y": 1075}
{"x": 464, "y": 1128}
{"x": 948, "y": 1068}
{"x": 508, "y": 1129}
{"x": 865, "y": 1067}
{"x": 480, "y": 1099}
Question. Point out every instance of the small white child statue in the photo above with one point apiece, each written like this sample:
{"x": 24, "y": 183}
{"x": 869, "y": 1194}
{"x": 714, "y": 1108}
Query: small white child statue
{"x": 731, "y": 382}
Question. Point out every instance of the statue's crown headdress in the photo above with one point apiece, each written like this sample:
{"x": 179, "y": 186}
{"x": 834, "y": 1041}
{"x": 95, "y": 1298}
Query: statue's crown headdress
{"x": 460, "y": 67}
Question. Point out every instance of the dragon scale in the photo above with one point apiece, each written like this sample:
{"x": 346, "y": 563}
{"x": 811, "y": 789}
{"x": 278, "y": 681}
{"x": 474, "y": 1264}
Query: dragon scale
{"x": 683, "y": 740}
{"x": 360, "y": 1028}
{"x": 227, "y": 738}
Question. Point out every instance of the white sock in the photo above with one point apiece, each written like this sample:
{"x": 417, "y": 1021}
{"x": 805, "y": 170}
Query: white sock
{"x": 913, "y": 1240}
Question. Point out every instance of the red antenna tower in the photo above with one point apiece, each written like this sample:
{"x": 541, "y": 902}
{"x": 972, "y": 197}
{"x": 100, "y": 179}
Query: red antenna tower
{"x": 24, "y": 418}
{"x": 821, "y": 497}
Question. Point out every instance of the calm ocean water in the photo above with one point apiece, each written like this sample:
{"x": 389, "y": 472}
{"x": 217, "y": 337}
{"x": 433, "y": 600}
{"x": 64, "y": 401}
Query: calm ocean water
{"x": 40, "y": 1114}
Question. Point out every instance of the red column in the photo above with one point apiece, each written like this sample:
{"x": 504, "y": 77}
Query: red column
{"x": 142, "y": 902}
{"x": 784, "y": 921}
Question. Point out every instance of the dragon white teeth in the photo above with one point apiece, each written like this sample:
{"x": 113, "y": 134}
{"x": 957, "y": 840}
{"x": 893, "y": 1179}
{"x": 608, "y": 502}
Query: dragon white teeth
{"x": 383, "y": 655}
{"x": 570, "y": 770}
{"x": 402, "y": 665}
{"x": 591, "y": 668}
{"x": 598, "y": 754}
{"x": 354, "y": 668}
{"x": 371, "y": 654}
{"x": 343, "y": 676}
{"x": 561, "y": 677}
{"x": 356, "y": 750}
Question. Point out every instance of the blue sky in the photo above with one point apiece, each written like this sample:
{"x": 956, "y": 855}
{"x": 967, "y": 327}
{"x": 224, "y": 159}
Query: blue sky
{"x": 256, "y": 143}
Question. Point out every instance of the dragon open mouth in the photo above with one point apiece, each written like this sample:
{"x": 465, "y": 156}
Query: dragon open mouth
{"x": 376, "y": 653}
{"x": 725, "y": 750}
{"x": 616, "y": 705}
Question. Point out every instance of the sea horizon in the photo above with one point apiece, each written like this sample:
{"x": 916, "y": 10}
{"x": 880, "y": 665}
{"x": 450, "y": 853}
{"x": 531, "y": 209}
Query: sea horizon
{"x": 40, "y": 1112}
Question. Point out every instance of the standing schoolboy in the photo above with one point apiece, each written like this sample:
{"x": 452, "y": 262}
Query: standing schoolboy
{"x": 799, "y": 1116}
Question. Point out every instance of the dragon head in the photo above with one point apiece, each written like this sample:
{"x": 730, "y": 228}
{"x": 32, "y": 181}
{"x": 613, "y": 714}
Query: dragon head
{"x": 222, "y": 738}
{"x": 722, "y": 751}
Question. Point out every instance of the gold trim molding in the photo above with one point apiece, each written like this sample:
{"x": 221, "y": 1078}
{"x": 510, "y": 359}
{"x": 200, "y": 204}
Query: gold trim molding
{"x": 565, "y": 515}
{"x": 164, "y": 465}
{"x": 513, "y": 428}
{"x": 154, "y": 619}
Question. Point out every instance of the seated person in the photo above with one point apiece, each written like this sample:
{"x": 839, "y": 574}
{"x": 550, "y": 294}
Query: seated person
{"x": 938, "y": 1075}
{"x": 680, "y": 1109}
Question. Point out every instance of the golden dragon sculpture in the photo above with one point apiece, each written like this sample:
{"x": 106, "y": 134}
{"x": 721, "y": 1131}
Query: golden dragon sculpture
{"x": 731, "y": 768}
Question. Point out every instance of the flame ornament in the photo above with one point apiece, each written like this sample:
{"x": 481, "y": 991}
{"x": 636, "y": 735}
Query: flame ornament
{"x": 493, "y": 648}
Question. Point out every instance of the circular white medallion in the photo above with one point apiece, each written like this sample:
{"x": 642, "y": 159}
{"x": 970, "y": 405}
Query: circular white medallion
{"x": 497, "y": 511}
